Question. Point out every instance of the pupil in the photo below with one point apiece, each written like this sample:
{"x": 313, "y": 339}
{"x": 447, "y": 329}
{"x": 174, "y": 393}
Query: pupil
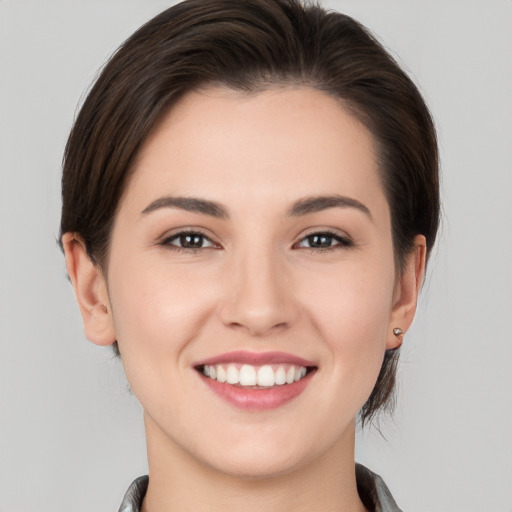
{"x": 191, "y": 241}
{"x": 320, "y": 241}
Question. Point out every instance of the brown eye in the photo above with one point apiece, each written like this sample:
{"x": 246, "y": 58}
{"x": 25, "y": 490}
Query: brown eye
{"x": 320, "y": 240}
{"x": 324, "y": 240}
{"x": 189, "y": 240}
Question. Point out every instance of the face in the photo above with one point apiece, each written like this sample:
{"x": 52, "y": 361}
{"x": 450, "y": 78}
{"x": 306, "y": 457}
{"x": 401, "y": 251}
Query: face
{"x": 251, "y": 278}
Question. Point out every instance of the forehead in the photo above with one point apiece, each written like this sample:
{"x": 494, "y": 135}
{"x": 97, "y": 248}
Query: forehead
{"x": 278, "y": 144}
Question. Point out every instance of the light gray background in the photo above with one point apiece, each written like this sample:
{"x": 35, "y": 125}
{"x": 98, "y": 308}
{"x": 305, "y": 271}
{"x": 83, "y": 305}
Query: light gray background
{"x": 71, "y": 436}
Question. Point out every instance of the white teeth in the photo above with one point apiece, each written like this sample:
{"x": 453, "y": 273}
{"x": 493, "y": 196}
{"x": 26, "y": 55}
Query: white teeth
{"x": 221, "y": 374}
{"x": 233, "y": 375}
{"x": 250, "y": 376}
{"x": 266, "y": 376}
{"x": 280, "y": 376}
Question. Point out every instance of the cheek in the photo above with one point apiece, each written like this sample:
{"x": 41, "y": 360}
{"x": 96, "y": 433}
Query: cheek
{"x": 158, "y": 313}
{"x": 351, "y": 310}
{"x": 157, "y": 309}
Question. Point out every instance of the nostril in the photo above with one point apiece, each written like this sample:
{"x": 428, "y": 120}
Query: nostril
{"x": 258, "y": 326}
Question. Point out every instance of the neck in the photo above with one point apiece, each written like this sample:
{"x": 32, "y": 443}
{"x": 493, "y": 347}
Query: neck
{"x": 179, "y": 482}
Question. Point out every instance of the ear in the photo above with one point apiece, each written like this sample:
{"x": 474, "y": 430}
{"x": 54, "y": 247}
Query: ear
{"x": 91, "y": 291}
{"x": 407, "y": 288}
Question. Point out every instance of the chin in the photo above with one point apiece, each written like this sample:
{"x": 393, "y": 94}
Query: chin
{"x": 258, "y": 464}
{"x": 265, "y": 452}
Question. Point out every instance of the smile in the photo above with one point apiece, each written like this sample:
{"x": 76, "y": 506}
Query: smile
{"x": 247, "y": 375}
{"x": 256, "y": 381}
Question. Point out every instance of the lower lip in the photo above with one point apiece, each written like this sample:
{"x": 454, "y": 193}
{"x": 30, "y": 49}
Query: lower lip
{"x": 262, "y": 399}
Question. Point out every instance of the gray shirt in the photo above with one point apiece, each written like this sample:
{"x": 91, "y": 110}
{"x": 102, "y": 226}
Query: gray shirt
{"x": 373, "y": 491}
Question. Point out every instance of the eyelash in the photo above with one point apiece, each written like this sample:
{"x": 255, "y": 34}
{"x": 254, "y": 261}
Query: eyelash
{"x": 342, "y": 241}
{"x": 167, "y": 242}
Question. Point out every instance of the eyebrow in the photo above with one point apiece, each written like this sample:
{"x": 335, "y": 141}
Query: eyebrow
{"x": 302, "y": 207}
{"x": 318, "y": 203}
{"x": 190, "y": 204}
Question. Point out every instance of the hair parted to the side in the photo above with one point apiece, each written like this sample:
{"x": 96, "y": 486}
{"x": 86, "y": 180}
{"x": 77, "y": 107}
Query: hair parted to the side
{"x": 252, "y": 45}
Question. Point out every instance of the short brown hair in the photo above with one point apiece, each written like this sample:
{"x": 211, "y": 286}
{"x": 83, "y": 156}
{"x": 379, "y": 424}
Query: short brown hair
{"x": 252, "y": 45}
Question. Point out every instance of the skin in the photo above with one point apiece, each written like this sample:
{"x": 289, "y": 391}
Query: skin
{"x": 257, "y": 284}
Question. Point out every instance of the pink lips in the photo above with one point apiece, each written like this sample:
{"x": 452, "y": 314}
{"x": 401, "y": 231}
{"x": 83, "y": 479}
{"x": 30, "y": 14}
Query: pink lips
{"x": 256, "y": 358}
{"x": 254, "y": 398}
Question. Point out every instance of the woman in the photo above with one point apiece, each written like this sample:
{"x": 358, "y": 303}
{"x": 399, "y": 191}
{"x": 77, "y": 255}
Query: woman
{"x": 250, "y": 196}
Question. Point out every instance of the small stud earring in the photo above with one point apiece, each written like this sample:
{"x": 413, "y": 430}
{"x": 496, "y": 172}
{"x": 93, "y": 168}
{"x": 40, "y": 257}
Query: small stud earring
{"x": 399, "y": 334}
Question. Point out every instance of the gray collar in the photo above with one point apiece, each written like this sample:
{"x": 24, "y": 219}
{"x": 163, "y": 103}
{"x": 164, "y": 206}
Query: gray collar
{"x": 373, "y": 491}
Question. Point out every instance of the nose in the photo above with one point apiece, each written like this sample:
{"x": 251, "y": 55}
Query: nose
{"x": 259, "y": 297}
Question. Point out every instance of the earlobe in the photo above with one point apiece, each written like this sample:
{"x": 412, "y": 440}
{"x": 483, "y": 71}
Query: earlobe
{"x": 406, "y": 293}
{"x": 90, "y": 290}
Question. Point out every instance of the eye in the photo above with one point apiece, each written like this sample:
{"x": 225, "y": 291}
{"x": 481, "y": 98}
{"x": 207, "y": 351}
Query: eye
{"x": 324, "y": 241}
{"x": 192, "y": 240}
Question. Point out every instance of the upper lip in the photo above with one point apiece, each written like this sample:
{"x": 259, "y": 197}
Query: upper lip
{"x": 255, "y": 359}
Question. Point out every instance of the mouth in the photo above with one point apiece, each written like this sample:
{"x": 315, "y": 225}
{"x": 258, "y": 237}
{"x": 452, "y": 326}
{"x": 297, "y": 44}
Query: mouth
{"x": 256, "y": 381}
{"x": 255, "y": 377}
